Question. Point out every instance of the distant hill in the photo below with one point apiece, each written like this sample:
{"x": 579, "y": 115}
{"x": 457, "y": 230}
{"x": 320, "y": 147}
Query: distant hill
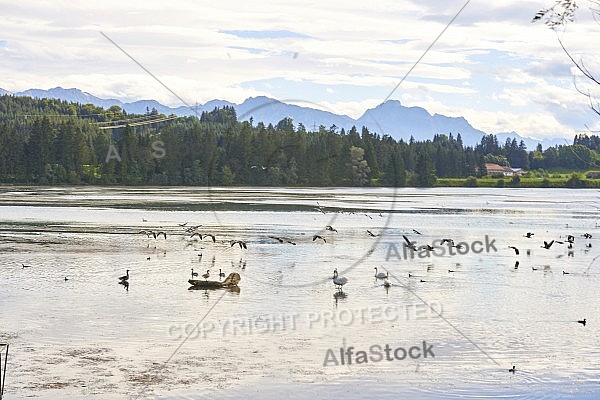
{"x": 390, "y": 118}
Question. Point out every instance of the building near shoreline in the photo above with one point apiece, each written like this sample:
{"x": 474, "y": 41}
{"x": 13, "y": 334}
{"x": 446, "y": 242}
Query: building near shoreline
{"x": 496, "y": 170}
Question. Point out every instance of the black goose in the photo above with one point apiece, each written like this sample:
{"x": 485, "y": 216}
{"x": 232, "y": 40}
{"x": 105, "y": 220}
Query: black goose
{"x": 125, "y": 277}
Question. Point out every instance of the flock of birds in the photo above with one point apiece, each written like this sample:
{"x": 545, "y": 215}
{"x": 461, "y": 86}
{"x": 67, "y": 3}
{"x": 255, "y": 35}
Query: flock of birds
{"x": 193, "y": 232}
{"x": 340, "y": 281}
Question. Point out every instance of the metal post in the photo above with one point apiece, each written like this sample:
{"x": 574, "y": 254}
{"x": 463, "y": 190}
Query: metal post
{"x": 3, "y": 370}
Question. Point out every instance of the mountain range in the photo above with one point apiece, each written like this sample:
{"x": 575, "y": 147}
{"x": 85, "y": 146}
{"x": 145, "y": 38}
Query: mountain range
{"x": 390, "y": 118}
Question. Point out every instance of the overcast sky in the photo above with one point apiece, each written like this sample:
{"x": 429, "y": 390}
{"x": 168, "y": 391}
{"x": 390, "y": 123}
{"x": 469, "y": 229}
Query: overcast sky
{"x": 492, "y": 65}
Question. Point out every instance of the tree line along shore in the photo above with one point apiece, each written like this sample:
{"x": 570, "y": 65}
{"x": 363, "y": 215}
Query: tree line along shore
{"x": 54, "y": 142}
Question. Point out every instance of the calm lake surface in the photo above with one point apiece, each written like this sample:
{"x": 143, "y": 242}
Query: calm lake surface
{"x": 90, "y": 337}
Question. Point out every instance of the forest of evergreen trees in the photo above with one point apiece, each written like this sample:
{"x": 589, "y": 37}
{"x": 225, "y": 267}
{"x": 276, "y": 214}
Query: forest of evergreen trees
{"x": 51, "y": 142}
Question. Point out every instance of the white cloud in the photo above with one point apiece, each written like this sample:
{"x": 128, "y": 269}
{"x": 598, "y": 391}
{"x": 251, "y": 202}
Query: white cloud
{"x": 492, "y": 54}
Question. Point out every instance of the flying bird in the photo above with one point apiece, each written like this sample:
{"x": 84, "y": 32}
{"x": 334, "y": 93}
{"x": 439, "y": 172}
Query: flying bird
{"x": 515, "y": 249}
{"x": 280, "y": 240}
{"x": 409, "y": 244}
{"x": 211, "y": 236}
{"x": 582, "y": 322}
{"x": 240, "y": 242}
{"x": 330, "y": 228}
{"x": 319, "y": 208}
{"x": 528, "y": 235}
{"x": 315, "y": 237}
{"x": 417, "y": 232}
{"x": 371, "y": 233}
{"x": 547, "y": 245}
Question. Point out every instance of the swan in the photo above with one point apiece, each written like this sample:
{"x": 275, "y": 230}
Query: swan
{"x": 339, "y": 281}
{"x": 206, "y": 275}
{"x": 380, "y": 275}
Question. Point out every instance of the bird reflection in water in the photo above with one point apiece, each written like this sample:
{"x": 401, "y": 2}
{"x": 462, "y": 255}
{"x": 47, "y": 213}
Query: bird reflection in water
{"x": 339, "y": 295}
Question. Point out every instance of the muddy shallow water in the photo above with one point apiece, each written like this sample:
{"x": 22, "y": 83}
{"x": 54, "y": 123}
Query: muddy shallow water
{"x": 89, "y": 337}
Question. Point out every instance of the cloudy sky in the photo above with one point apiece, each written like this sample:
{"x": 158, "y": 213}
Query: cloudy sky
{"x": 492, "y": 66}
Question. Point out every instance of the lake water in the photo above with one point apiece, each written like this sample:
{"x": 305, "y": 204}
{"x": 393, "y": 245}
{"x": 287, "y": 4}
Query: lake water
{"x": 90, "y": 337}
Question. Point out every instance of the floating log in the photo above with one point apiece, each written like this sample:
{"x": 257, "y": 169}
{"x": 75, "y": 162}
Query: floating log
{"x": 229, "y": 282}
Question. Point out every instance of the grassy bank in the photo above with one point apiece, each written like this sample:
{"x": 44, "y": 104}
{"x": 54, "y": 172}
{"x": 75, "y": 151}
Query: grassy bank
{"x": 555, "y": 180}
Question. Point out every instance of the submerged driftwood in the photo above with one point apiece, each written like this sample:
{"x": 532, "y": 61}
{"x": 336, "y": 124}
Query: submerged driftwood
{"x": 229, "y": 282}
